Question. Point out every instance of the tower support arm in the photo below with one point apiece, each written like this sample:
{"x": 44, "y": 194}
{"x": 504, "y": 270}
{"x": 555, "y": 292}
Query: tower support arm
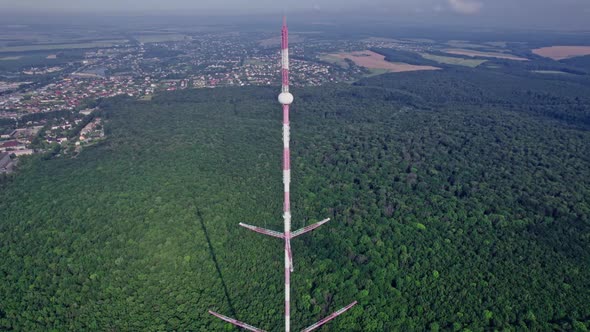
{"x": 263, "y": 231}
{"x": 329, "y": 318}
{"x": 236, "y": 322}
{"x": 309, "y": 228}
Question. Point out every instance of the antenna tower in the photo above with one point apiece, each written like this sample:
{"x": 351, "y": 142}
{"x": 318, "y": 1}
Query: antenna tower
{"x": 286, "y": 98}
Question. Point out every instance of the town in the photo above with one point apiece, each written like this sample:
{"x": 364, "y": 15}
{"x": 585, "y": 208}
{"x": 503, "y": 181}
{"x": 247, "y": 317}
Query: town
{"x": 59, "y": 89}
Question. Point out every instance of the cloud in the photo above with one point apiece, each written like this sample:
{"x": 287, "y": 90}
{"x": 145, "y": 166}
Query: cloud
{"x": 467, "y": 7}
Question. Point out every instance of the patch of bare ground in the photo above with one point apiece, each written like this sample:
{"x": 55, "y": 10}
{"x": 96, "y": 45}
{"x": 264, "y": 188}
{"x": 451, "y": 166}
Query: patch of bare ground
{"x": 473, "y": 53}
{"x": 372, "y": 60}
{"x": 562, "y": 52}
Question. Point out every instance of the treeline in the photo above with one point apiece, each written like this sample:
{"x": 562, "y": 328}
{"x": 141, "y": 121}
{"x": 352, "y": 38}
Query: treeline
{"x": 35, "y": 117}
{"x": 562, "y": 99}
{"x": 412, "y": 58}
{"x": 579, "y": 62}
{"x": 7, "y": 125}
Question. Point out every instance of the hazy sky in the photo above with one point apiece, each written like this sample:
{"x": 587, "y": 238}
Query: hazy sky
{"x": 537, "y": 13}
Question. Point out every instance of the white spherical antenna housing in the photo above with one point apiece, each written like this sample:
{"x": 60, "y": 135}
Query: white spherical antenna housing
{"x": 285, "y": 98}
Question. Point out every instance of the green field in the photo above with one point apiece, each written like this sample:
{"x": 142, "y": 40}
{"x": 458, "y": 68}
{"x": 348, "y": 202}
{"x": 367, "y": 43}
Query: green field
{"x": 453, "y": 61}
{"x": 334, "y": 60}
{"x": 464, "y": 44}
{"x": 484, "y": 54}
{"x": 46, "y": 47}
{"x": 377, "y": 71}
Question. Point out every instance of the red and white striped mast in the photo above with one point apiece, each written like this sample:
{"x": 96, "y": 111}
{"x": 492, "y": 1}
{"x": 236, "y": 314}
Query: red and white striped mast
{"x": 286, "y": 98}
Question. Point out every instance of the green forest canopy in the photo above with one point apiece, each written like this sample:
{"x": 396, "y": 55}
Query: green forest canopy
{"x": 452, "y": 209}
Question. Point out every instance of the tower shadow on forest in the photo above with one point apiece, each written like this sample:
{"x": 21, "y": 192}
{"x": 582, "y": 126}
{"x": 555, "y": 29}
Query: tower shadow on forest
{"x": 214, "y": 257}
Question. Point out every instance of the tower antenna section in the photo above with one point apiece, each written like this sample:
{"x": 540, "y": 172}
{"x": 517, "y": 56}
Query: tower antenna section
{"x": 286, "y": 98}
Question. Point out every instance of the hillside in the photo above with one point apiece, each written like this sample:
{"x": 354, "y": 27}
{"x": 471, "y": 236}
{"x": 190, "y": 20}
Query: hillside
{"x": 456, "y": 203}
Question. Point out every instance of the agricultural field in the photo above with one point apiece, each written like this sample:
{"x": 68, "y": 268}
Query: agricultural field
{"x": 376, "y": 71}
{"x": 420, "y": 40}
{"x": 464, "y": 44}
{"x": 472, "y": 63}
{"x": 385, "y": 40}
{"x": 501, "y": 44}
{"x": 334, "y": 59}
{"x": 8, "y": 58}
{"x": 373, "y": 60}
{"x": 473, "y": 53}
{"x": 45, "y": 47}
{"x": 158, "y": 38}
{"x": 554, "y": 72}
{"x": 562, "y": 52}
